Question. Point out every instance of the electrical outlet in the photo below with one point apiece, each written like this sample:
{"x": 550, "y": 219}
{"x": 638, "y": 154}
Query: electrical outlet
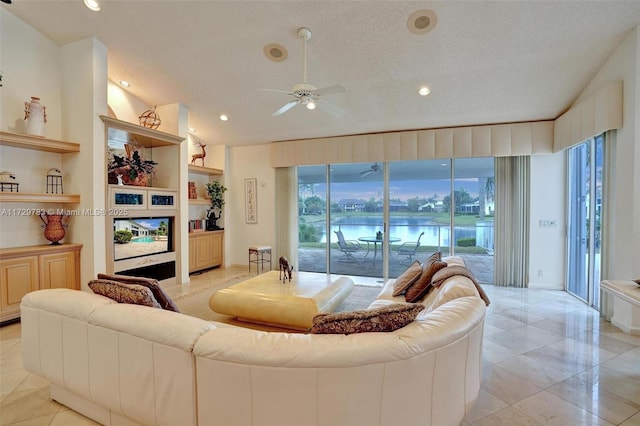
{"x": 540, "y": 274}
{"x": 547, "y": 223}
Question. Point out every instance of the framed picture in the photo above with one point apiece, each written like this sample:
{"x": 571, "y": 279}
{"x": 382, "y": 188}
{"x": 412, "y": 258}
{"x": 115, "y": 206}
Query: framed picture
{"x": 251, "y": 200}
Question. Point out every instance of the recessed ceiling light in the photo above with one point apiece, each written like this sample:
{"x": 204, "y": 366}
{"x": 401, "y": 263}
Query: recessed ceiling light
{"x": 275, "y": 52}
{"x": 124, "y": 83}
{"x": 192, "y": 130}
{"x": 444, "y": 164}
{"x": 421, "y": 21}
{"x": 92, "y": 5}
{"x": 224, "y": 117}
{"x": 424, "y": 91}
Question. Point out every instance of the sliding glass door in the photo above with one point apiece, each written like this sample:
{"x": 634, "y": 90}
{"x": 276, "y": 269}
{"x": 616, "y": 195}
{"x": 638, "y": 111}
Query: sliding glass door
{"x": 584, "y": 218}
{"x": 374, "y": 219}
{"x": 418, "y": 216}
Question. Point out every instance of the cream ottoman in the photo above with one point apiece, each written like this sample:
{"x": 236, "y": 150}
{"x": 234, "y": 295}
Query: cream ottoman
{"x": 264, "y": 299}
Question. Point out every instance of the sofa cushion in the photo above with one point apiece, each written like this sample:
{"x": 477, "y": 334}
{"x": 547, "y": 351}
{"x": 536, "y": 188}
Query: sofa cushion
{"x": 158, "y": 293}
{"x": 422, "y": 285}
{"x": 408, "y": 277}
{"x": 386, "y": 318}
{"x": 124, "y": 293}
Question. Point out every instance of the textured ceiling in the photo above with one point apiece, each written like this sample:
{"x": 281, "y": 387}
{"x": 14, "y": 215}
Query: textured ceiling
{"x": 485, "y": 61}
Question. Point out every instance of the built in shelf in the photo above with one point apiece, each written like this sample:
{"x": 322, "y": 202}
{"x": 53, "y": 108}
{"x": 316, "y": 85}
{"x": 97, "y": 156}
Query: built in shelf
{"x": 30, "y": 197}
{"x": 204, "y": 170}
{"x": 199, "y": 201}
{"x": 38, "y": 143}
{"x": 125, "y": 132}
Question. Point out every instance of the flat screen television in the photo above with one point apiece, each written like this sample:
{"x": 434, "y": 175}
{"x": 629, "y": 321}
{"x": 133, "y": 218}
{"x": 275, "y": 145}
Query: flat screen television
{"x": 141, "y": 236}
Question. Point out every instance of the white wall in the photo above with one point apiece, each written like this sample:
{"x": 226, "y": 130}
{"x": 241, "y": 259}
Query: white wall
{"x": 548, "y": 201}
{"x": 30, "y": 67}
{"x": 84, "y": 99}
{"x": 623, "y": 253}
{"x": 249, "y": 162}
{"x": 71, "y": 82}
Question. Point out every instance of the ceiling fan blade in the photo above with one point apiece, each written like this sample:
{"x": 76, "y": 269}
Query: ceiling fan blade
{"x": 330, "y": 108}
{"x": 278, "y": 91}
{"x": 331, "y": 90}
{"x": 286, "y": 108}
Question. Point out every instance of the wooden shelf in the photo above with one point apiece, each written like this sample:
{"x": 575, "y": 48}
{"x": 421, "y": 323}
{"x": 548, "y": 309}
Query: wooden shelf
{"x": 204, "y": 170}
{"x": 125, "y": 132}
{"x": 38, "y": 143}
{"x": 199, "y": 201}
{"x": 30, "y": 197}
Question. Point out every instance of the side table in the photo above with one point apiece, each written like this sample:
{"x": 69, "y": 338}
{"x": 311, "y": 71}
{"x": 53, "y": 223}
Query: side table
{"x": 259, "y": 255}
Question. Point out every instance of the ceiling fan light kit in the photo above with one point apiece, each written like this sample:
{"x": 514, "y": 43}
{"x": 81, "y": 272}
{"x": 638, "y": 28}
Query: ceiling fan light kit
{"x": 305, "y": 93}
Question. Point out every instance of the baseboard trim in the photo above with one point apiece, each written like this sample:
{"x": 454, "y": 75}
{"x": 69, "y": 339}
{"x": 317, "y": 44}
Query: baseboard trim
{"x": 546, "y": 286}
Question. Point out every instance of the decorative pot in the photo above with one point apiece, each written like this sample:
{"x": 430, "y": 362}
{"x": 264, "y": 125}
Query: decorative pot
{"x": 36, "y": 116}
{"x": 212, "y": 222}
{"x": 53, "y": 227}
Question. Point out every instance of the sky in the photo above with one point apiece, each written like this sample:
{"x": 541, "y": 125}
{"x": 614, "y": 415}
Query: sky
{"x": 402, "y": 190}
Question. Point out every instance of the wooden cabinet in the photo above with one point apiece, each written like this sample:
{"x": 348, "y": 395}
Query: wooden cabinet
{"x": 26, "y": 269}
{"x": 205, "y": 250}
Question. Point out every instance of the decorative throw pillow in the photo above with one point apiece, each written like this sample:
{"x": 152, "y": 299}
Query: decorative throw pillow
{"x": 124, "y": 293}
{"x": 158, "y": 293}
{"x": 422, "y": 286}
{"x": 435, "y": 256}
{"x": 387, "y": 318}
{"x": 408, "y": 277}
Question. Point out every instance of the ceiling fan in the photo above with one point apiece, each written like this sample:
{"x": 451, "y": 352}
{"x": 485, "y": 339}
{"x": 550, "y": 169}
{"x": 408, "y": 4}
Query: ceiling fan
{"x": 307, "y": 94}
{"x": 375, "y": 168}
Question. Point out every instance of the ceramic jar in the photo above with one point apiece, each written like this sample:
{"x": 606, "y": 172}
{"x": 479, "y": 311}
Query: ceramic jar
{"x": 36, "y": 116}
{"x": 53, "y": 227}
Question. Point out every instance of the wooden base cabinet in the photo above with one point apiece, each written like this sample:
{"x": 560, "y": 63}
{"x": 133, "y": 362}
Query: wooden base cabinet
{"x": 205, "y": 250}
{"x": 26, "y": 269}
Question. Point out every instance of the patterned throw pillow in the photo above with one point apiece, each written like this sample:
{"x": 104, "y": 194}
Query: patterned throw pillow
{"x": 408, "y": 277}
{"x": 387, "y": 318}
{"x": 422, "y": 285}
{"x": 158, "y": 293}
{"x": 124, "y": 293}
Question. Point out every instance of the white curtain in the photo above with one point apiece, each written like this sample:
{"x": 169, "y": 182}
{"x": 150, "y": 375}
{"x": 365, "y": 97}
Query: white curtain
{"x": 512, "y": 221}
{"x": 287, "y": 215}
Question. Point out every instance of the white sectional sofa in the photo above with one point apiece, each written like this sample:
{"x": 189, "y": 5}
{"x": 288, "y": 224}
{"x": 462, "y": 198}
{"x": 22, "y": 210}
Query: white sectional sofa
{"x": 125, "y": 364}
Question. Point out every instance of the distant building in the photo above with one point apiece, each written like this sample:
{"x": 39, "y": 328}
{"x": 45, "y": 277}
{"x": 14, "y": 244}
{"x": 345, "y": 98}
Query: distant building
{"x": 136, "y": 229}
{"x": 351, "y": 205}
{"x": 437, "y": 207}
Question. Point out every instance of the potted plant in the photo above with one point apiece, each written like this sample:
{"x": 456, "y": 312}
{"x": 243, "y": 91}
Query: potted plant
{"x": 131, "y": 169}
{"x": 215, "y": 191}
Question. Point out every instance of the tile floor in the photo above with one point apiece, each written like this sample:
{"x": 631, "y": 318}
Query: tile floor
{"x": 548, "y": 360}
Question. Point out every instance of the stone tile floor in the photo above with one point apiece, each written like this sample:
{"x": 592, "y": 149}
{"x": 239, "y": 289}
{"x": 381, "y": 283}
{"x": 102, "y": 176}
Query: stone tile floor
{"x": 548, "y": 360}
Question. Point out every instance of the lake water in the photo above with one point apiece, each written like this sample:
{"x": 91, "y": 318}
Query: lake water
{"x": 405, "y": 228}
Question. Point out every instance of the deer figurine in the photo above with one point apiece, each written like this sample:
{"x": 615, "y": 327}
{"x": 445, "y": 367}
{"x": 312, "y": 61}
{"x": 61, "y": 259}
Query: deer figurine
{"x": 285, "y": 268}
{"x": 201, "y": 155}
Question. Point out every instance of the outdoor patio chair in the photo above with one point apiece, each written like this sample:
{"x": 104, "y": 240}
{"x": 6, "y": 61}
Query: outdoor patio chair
{"x": 409, "y": 249}
{"x": 347, "y": 247}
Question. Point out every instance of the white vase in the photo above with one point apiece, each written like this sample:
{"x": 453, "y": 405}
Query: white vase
{"x": 36, "y": 116}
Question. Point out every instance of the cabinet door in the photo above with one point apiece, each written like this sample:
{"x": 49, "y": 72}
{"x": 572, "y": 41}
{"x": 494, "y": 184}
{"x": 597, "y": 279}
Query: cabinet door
{"x": 17, "y": 278}
{"x": 59, "y": 270}
{"x": 216, "y": 249}
{"x": 203, "y": 251}
{"x": 192, "y": 254}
